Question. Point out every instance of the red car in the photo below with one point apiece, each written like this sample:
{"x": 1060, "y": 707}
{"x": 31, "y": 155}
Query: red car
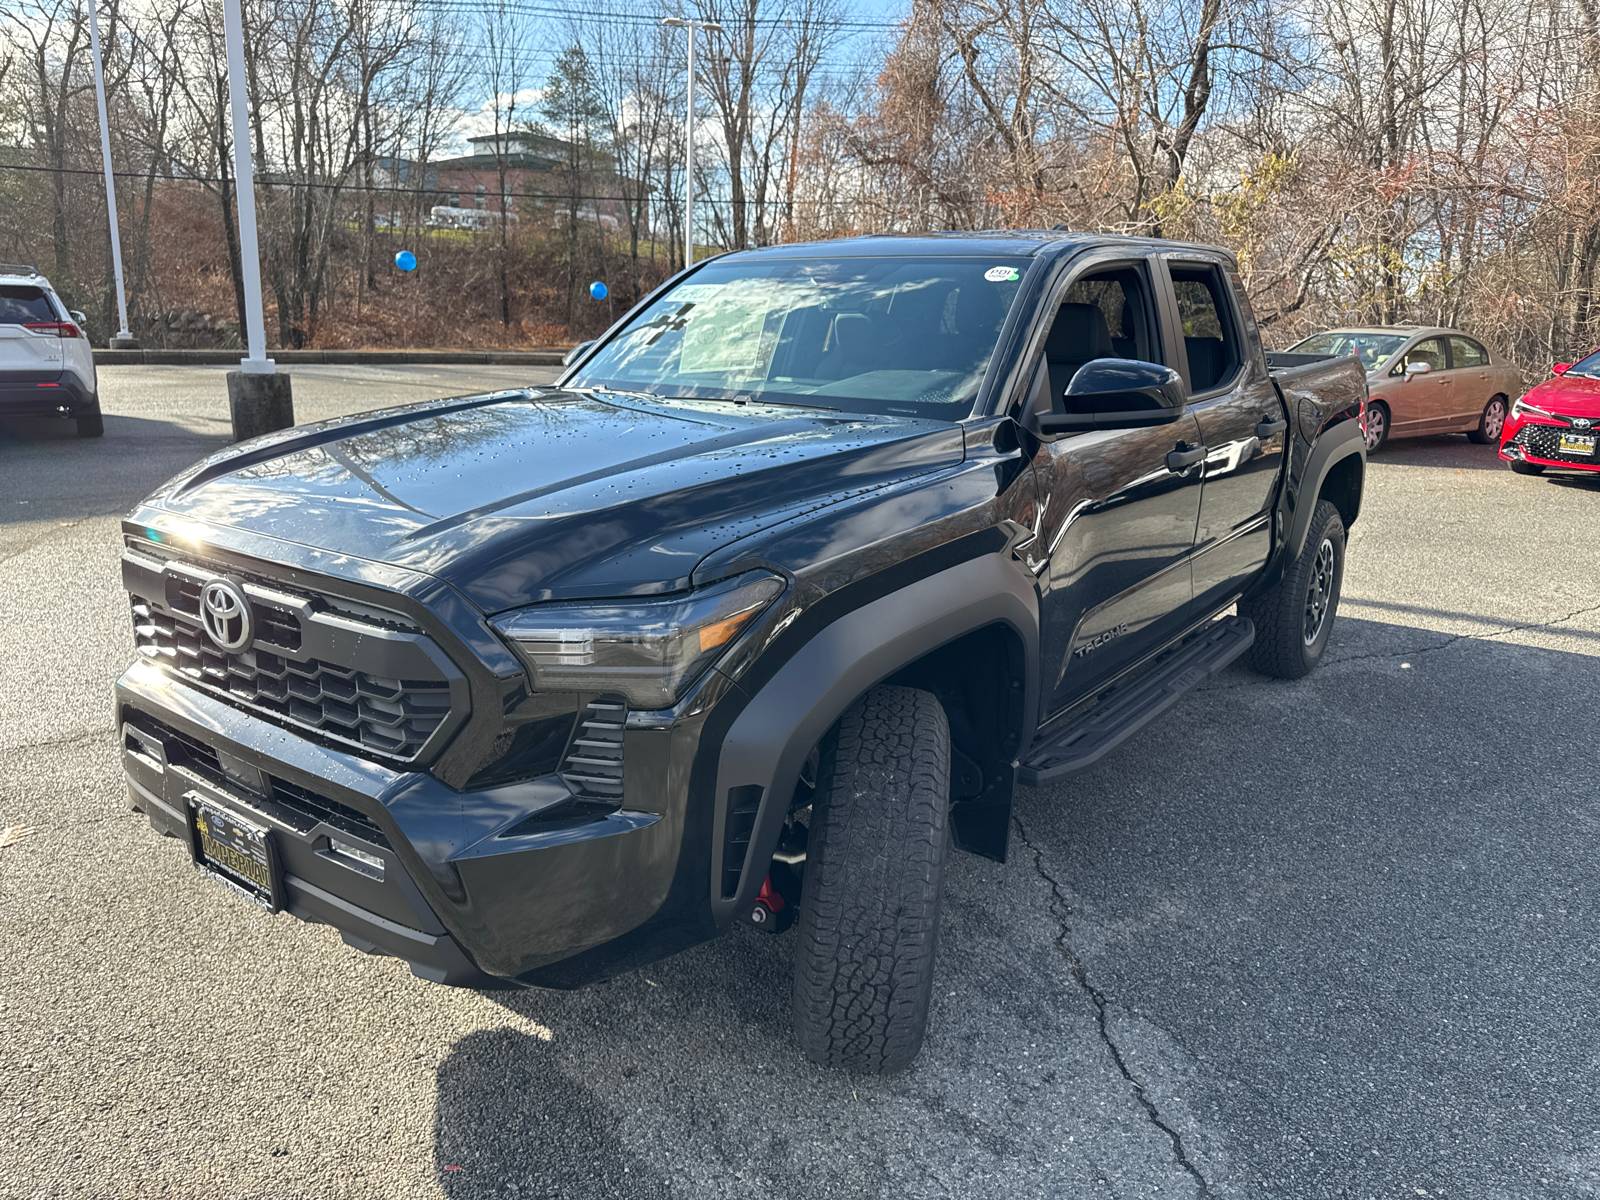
{"x": 1557, "y": 423}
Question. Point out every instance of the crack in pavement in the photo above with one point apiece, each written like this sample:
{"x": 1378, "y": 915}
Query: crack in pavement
{"x": 1081, "y": 975}
{"x": 66, "y": 741}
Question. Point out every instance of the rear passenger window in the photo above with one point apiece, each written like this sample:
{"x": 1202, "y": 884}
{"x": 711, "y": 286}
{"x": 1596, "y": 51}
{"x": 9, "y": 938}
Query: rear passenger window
{"x": 23, "y": 304}
{"x": 1209, "y": 339}
{"x": 1464, "y": 352}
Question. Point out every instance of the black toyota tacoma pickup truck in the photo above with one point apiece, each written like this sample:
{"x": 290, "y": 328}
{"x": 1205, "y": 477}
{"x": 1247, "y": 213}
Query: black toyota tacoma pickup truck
{"x": 777, "y": 593}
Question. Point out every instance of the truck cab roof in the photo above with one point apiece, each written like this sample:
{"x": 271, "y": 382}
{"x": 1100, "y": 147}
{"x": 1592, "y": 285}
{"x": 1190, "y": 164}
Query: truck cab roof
{"x": 943, "y": 243}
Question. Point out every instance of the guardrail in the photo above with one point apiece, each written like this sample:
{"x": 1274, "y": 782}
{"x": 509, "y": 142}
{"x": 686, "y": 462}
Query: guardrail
{"x": 288, "y": 358}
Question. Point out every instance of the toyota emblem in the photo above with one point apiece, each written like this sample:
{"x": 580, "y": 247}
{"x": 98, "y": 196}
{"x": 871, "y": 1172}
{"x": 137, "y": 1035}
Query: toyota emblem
{"x": 225, "y": 613}
{"x": 1582, "y": 423}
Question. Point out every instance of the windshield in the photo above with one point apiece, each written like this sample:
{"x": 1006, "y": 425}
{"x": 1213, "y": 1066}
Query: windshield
{"x": 909, "y": 336}
{"x": 1589, "y": 367}
{"x": 1373, "y": 349}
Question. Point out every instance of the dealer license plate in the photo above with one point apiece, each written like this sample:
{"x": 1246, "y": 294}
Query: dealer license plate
{"x": 237, "y": 852}
{"x": 1576, "y": 443}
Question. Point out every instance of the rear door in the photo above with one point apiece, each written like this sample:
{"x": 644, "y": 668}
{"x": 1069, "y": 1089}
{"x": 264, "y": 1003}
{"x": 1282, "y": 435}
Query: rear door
{"x": 1470, "y": 384}
{"x": 1116, "y": 521}
{"x": 1242, "y": 426}
{"x": 28, "y": 355}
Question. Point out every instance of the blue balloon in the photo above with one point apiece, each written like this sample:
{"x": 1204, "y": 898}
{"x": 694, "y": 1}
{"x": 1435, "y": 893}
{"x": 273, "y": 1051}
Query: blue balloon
{"x": 406, "y": 260}
{"x": 597, "y": 290}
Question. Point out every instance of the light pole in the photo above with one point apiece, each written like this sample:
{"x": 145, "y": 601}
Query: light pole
{"x": 124, "y": 339}
{"x": 259, "y": 398}
{"x": 688, "y": 155}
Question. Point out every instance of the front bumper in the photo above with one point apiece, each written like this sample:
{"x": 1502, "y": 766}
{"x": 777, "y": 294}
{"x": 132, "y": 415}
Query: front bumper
{"x": 1539, "y": 443}
{"x": 464, "y": 887}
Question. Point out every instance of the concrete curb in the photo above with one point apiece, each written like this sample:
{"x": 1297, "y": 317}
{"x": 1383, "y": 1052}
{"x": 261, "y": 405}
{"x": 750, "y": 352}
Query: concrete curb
{"x": 288, "y": 358}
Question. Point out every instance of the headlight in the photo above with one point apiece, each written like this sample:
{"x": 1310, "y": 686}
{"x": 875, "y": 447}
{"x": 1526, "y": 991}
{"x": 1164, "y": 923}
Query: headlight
{"x": 650, "y": 651}
{"x": 1521, "y": 408}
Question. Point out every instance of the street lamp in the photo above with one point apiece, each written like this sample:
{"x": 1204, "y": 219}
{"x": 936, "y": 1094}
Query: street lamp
{"x": 688, "y": 172}
{"x": 124, "y": 339}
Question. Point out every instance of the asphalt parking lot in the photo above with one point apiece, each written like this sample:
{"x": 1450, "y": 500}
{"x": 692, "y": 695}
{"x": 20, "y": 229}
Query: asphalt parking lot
{"x": 1331, "y": 938}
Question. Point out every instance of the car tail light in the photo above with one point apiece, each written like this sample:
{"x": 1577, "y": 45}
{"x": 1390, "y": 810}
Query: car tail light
{"x": 62, "y": 329}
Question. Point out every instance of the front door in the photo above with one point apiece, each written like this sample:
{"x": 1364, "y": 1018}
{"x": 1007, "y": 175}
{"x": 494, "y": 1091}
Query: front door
{"x": 1116, "y": 520}
{"x": 1418, "y": 402}
{"x": 1243, "y": 427}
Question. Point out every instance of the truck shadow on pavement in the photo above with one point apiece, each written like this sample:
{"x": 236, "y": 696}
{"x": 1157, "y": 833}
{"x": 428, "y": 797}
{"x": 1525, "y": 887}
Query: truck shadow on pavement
{"x": 1279, "y": 949}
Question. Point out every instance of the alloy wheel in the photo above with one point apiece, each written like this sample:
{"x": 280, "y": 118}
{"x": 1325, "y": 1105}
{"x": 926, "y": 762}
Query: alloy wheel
{"x": 1375, "y": 427}
{"x": 1319, "y": 598}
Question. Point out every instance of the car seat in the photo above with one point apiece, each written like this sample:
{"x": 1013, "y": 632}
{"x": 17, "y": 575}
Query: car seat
{"x": 1078, "y": 335}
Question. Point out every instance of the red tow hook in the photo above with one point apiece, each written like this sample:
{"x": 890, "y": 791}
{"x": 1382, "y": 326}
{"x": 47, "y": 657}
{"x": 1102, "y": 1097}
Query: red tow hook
{"x": 770, "y": 911}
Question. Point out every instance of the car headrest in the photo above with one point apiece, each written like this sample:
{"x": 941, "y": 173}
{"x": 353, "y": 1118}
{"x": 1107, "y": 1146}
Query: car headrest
{"x": 852, "y": 334}
{"x": 1078, "y": 335}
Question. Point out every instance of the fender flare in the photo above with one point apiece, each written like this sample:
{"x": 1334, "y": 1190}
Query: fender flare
{"x": 768, "y": 742}
{"x": 1335, "y": 444}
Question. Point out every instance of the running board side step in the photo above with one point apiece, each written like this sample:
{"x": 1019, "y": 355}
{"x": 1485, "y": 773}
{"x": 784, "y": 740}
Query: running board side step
{"x": 1129, "y": 709}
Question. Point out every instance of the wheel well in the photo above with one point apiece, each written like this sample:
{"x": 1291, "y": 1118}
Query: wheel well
{"x": 1342, "y": 487}
{"x": 981, "y": 680}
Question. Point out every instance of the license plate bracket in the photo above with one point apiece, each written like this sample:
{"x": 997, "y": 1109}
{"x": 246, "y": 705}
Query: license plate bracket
{"x": 1577, "y": 443}
{"x": 238, "y": 853}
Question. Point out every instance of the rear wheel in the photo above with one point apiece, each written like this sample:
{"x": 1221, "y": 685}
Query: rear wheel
{"x": 90, "y": 422}
{"x": 1491, "y": 423}
{"x": 1377, "y": 431}
{"x": 869, "y": 909}
{"x": 1527, "y": 468}
{"x": 1294, "y": 619}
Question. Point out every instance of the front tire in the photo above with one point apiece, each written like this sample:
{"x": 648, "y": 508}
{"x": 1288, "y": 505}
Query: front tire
{"x": 874, "y": 877}
{"x": 1528, "y": 468}
{"x": 1377, "y": 427}
{"x": 1294, "y": 618}
{"x": 1490, "y": 424}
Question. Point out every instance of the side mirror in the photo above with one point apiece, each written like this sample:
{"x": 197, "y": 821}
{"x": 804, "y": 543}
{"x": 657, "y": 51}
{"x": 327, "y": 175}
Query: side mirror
{"x": 77, "y": 317}
{"x": 1118, "y": 393}
{"x": 576, "y": 353}
{"x": 1417, "y": 368}
{"x": 1560, "y": 368}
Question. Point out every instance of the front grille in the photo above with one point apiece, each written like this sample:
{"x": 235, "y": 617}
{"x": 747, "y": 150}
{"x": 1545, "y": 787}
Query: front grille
{"x": 593, "y": 767}
{"x": 350, "y": 674}
{"x": 1544, "y": 441}
{"x": 191, "y": 753}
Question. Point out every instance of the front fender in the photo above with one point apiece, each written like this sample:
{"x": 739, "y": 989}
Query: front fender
{"x": 768, "y": 743}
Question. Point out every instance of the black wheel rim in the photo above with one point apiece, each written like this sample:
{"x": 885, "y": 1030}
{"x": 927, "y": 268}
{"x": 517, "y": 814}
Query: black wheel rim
{"x": 1319, "y": 598}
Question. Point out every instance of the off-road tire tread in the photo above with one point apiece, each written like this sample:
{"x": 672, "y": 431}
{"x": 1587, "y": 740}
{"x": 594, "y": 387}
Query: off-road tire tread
{"x": 1279, "y": 649}
{"x": 869, "y": 913}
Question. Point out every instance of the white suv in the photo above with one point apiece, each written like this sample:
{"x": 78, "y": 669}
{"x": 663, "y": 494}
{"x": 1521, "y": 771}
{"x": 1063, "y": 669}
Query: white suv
{"x": 46, "y": 362}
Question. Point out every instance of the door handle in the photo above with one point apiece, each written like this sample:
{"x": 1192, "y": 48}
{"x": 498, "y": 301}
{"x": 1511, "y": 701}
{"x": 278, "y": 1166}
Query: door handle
{"x": 1179, "y": 461}
{"x": 1269, "y": 428}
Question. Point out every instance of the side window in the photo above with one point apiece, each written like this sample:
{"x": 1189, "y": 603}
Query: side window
{"x": 1103, "y": 315}
{"x": 1209, "y": 337}
{"x": 1430, "y": 351}
{"x": 1464, "y": 352}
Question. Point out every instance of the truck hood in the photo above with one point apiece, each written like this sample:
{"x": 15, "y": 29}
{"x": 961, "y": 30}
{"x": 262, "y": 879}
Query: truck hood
{"x": 544, "y": 494}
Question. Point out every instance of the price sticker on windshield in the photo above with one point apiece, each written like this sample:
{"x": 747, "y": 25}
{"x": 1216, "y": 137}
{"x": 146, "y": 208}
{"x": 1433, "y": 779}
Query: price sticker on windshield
{"x": 1001, "y": 274}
